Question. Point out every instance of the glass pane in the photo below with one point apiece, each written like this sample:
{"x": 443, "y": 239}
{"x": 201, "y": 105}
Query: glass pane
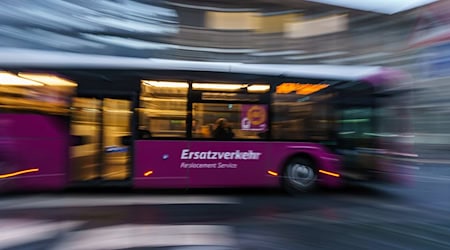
{"x": 300, "y": 112}
{"x": 356, "y": 123}
{"x": 290, "y": 117}
{"x": 163, "y": 109}
{"x": 48, "y": 99}
{"x": 247, "y": 121}
{"x": 86, "y": 114}
{"x": 116, "y": 124}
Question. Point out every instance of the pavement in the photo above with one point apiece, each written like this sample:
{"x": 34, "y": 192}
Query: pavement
{"x": 431, "y": 154}
{"x": 358, "y": 217}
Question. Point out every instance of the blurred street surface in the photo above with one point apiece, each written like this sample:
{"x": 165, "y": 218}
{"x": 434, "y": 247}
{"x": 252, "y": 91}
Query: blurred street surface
{"x": 431, "y": 153}
{"x": 356, "y": 217}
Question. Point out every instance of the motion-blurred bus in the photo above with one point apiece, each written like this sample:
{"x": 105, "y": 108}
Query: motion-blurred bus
{"x": 70, "y": 120}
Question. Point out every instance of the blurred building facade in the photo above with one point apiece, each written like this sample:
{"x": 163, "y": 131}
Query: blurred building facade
{"x": 260, "y": 31}
{"x": 297, "y": 33}
{"x": 254, "y": 31}
{"x": 430, "y": 47}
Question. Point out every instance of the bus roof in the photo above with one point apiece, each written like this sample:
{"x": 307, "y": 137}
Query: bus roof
{"x": 27, "y": 58}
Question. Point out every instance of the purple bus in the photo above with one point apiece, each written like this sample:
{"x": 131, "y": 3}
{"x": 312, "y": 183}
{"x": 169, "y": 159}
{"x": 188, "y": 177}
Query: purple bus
{"x": 71, "y": 120}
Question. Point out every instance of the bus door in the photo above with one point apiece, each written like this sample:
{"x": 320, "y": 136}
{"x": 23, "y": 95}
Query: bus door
{"x": 356, "y": 142}
{"x": 102, "y": 122}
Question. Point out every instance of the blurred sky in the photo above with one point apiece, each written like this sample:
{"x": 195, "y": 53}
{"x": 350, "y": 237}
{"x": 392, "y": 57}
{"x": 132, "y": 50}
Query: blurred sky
{"x": 381, "y": 6}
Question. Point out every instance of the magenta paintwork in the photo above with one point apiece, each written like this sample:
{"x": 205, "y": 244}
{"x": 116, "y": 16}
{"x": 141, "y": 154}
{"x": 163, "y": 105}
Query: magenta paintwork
{"x": 164, "y": 158}
{"x": 34, "y": 141}
{"x": 149, "y": 156}
{"x": 38, "y": 141}
{"x": 387, "y": 78}
{"x": 394, "y": 169}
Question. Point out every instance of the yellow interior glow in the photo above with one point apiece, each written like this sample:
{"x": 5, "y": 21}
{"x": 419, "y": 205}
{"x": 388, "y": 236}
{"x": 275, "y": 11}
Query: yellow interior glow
{"x": 165, "y": 84}
{"x": 148, "y": 173}
{"x": 299, "y": 88}
{"x": 258, "y": 88}
{"x": 272, "y": 173}
{"x": 11, "y": 79}
{"x": 329, "y": 173}
{"x": 3, "y": 176}
{"x": 217, "y": 86}
{"x": 47, "y": 79}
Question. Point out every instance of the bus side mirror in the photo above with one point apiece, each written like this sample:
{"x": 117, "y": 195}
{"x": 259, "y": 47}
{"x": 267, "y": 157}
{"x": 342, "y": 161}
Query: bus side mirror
{"x": 126, "y": 140}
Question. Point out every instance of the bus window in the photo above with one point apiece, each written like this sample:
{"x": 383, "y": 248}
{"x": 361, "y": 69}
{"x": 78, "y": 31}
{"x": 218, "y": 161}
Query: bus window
{"x": 298, "y": 115}
{"x": 163, "y": 109}
{"x": 26, "y": 92}
{"x": 247, "y": 121}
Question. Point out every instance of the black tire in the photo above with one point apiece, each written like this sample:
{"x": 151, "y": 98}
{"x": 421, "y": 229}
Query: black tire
{"x": 299, "y": 175}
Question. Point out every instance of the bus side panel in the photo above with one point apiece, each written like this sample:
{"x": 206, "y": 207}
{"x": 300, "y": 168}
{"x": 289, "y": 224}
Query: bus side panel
{"x": 35, "y": 152}
{"x": 393, "y": 164}
{"x": 324, "y": 160}
{"x": 157, "y": 164}
{"x": 217, "y": 164}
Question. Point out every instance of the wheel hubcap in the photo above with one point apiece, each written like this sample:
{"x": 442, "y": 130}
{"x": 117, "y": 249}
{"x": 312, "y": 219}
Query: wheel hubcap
{"x": 301, "y": 175}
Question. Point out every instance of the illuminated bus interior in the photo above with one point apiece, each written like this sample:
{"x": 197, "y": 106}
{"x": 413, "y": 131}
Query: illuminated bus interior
{"x": 294, "y": 108}
{"x": 100, "y": 123}
{"x": 300, "y": 112}
{"x": 163, "y": 108}
{"x": 35, "y": 92}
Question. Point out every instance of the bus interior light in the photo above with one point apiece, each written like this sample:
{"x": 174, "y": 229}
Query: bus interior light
{"x": 300, "y": 88}
{"x": 47, "y": 79}
{"x": 7, "y": 78}
{"x": 258, "y": 87}
{"x": 166, "y": 84}
{"x": 218, "y": 86}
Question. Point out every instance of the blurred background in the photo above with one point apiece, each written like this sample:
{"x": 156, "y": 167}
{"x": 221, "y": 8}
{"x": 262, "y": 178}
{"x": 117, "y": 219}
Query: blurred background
{"x": 409, "y": 35}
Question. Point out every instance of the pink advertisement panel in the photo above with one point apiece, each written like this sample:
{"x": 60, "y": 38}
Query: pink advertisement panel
{"x": 254, "y": 117}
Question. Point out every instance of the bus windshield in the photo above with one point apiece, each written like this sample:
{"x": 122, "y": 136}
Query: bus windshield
{"x": 356, "y": 123}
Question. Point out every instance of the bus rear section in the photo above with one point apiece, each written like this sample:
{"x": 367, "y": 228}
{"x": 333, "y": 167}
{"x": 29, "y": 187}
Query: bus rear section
{"x": 34, "y": 132}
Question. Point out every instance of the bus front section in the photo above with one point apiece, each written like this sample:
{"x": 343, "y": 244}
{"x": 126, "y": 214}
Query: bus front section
{"x": 372, "y": 133}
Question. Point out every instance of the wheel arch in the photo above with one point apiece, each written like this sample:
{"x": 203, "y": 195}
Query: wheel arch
{"x": 305, "y": 155}
{"x": 285, "y": 179}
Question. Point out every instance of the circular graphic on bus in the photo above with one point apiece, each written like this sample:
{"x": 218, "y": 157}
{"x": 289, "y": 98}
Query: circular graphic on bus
{"x": 256, "y": 115}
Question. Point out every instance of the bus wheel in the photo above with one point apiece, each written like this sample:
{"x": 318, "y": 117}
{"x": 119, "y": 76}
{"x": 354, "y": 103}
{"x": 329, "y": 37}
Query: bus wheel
{"x": 299, "y": 175}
